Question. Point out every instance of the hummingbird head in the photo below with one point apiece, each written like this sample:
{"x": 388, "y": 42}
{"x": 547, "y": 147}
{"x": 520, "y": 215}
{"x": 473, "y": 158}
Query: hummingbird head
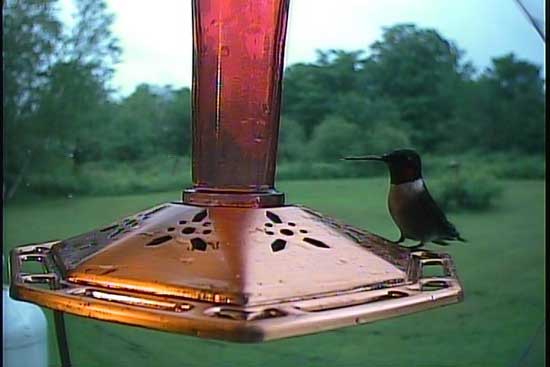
{"x": 404, "y": 164}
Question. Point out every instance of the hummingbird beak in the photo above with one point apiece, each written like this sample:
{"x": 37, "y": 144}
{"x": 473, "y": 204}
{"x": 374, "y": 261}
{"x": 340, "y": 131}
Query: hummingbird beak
{"x": 366, "y": 158}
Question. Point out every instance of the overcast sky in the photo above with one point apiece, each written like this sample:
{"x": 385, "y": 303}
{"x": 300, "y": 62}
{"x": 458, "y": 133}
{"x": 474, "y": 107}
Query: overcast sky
{"x": 156, "y": 35}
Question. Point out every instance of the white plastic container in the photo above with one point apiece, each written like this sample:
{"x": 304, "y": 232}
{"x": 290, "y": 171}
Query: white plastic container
{"x": 25, "y": 342}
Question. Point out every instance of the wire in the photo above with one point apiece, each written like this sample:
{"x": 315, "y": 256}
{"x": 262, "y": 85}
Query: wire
{"x": 531, "y": 342}
{"x": 531, "y": 19}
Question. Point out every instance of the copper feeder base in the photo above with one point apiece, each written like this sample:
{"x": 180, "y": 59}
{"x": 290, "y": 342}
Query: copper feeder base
{"x": 237, "y": 274}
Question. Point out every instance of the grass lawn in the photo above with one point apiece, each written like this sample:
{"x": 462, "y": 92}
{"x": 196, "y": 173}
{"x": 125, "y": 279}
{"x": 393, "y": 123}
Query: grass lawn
{"x": 501, "y": 267}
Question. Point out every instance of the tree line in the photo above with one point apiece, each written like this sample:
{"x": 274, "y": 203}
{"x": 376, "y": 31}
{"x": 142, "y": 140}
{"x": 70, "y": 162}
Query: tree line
{"x": 410, "y": 88}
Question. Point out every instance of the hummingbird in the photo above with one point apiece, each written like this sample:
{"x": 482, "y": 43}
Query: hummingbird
{"x": 410, "y": 204}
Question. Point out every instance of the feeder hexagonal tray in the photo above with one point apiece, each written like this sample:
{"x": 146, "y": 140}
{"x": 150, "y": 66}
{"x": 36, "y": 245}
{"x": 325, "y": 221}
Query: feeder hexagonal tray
{"x": 238, "y": 274}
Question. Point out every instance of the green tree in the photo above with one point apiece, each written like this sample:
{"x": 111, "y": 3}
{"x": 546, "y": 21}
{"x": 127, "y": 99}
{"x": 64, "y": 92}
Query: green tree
{"x": 76, "y": 108}
{"x": 385, "y": 136}
{"x": 292, "y": 141}
{"x": 363, "y": 111}
{"x": 340, "y": 71}
{"x": 74, "y": 112}
{"x": 90, "y": 42}
{"x": 152, "y": 121}
{"x": 335, "y": 138}
{"x": 311, "y": 91}
{"x": 176, "y": 122}
{"x": 31, "y": 35}
{"x": 418, "y": 70}
{"x": 135, "y": 129}
{"x": 511, "y": 106}
{"x": 304, "y": 99}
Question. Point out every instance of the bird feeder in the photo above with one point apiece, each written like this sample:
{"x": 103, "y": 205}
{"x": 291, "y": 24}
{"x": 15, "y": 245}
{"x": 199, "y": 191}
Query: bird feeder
{"x": 231, "y": 260}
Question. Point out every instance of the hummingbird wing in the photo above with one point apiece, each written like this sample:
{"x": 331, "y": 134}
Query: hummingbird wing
{"x": 443, "y": 229}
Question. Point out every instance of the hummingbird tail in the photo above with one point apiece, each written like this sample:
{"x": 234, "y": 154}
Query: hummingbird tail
{"x": 461, "y": 239}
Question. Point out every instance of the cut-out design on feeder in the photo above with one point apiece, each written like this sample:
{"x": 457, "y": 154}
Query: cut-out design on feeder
{"x": 316, "y": 243}
{"x": 269, "y": 228}
{"x": 273, "y": 217}
{"x": 245, "y": 315}
{"x": 117, "y": 232}
{"x": 278, "y": 245}
{"x": 356, "y": 237}
{"x": 42, "y": 281}
{"x": 131, "y": 222}
{"x": 396, "y": 294}
{"x": 139, "y": 301}
{"x": 286, "y": 232}
{"x": 200, "y": 216}
{"x": 198, "y": 244}
{"x": 391, "y": 295}
{"x": 188, "y": 230}
{"x": 434, "y": 285}
{"x": 128, "y": 224}
{"x": 86, "y": 245}
{"x": 154, "y": 211}
{"x": 158, "y": 241}
{"x": 107, "y": 229}
{"x": 433, "y": 270}
{"x": 207, "y": 231}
